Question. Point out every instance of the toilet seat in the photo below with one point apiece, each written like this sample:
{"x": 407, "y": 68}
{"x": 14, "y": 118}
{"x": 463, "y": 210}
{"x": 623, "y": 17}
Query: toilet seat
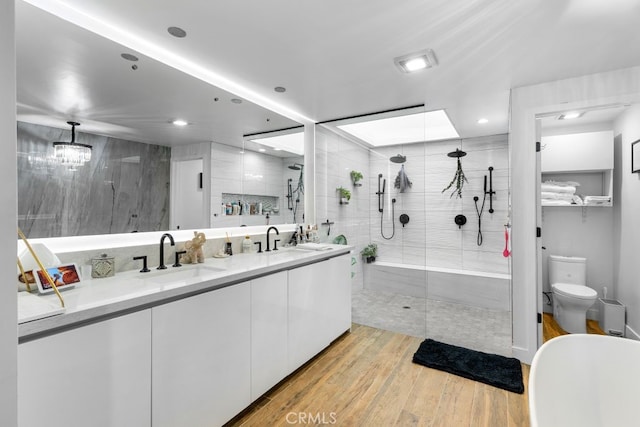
{"x": 574, "y": 291}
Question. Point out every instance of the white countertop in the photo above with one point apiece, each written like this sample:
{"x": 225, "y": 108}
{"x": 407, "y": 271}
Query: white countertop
{"x": 97, "y": 299}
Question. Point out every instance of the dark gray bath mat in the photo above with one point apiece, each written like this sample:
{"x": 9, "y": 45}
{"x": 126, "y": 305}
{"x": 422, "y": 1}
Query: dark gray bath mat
{"x": 498, "y": 371}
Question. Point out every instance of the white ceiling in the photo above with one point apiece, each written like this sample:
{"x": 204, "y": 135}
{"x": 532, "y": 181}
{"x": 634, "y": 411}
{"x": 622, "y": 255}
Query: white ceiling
{"x": 335, "y": 59}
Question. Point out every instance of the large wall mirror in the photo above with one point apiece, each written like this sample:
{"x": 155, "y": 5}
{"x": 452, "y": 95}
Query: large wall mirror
{"x": 145, "y": 172}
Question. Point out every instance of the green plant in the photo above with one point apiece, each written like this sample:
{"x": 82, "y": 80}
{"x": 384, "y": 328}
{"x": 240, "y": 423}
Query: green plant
{"x": 371, "y": 250}
{"x": 356, "y": 176}
{"x": 458, "y": 179}
{"x": 344, "y": 193}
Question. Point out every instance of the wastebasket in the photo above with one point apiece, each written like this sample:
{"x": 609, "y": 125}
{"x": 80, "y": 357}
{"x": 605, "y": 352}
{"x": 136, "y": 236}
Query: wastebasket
{"x": 612, "y": 317}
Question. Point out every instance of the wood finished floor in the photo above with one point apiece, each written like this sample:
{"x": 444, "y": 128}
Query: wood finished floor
{"x": 366, "y": 378}
{"x": 551, "y": 329}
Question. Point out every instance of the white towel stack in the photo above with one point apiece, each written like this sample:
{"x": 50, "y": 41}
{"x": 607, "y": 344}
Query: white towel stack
{"x": 557, "y": 193}
{"x": 597, "y": 200}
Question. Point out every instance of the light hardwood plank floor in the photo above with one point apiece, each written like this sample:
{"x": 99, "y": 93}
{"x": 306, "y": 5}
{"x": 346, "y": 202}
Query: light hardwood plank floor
{"x": 551, "y": 329}
{"x": 366, "y": 378}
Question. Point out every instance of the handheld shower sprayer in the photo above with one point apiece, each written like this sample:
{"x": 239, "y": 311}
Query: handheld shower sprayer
{"x": 380, "y": 193}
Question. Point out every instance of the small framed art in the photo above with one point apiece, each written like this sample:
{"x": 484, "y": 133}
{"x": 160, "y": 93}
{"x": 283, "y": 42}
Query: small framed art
{"x": 64, "y": 277}
{"x": 635, "y": 157}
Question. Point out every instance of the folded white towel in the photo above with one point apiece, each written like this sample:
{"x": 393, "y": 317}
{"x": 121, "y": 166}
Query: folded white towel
{"x": 597, "y": 200}
{"x": 555, "y": 188}
{"x": 551, "y": 202}
{"x": 556, "y": 196}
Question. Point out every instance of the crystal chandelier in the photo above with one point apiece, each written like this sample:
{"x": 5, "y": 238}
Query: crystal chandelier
{"x": 72, "y": 153}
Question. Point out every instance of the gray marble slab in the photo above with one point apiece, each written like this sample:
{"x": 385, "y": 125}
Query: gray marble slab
{"x": 124, "y": 188}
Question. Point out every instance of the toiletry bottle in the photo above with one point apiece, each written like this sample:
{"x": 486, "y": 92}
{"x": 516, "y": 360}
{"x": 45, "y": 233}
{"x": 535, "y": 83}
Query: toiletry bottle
{"x": 247, "y": 245}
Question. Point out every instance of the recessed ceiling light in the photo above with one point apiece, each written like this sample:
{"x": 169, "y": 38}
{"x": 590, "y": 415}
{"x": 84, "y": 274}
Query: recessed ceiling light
{"x": 482, "y": 121}
{"x": 416, "y": 61}
{"x": 180, "y": 122}
{"x": 236, "y": 100}
{"x": 177, "y": 32}
{"x": 570, "y": 115}
{"x": 280, "y": 89}
{"x": 129, "y": 57}
{"x": 262, "y": 150}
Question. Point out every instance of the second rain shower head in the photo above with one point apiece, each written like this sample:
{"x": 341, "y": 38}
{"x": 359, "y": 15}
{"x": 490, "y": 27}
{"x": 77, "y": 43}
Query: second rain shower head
{"x": 296, "y": 166}
{"x": 398, "y": 158}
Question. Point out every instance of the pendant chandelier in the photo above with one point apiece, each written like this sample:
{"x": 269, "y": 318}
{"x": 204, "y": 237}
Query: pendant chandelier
{"x": 72, "y": 153}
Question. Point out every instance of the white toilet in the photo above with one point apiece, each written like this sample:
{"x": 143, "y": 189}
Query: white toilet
{"x": 571, "y": 297}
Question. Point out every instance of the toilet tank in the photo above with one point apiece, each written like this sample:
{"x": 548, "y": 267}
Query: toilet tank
{"x": 572, "y": 270}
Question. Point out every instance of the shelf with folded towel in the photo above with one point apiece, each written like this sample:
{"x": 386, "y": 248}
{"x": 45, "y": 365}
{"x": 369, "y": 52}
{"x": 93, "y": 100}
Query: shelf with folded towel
{"x": 577, "y": 188}
{"x": 577, "y": 169}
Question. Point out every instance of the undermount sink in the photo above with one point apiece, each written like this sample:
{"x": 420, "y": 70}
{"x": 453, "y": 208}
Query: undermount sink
{"x": 172, "y": 275}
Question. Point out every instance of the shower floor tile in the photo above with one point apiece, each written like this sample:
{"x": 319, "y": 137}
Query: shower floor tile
{"x": 471, "y": 327}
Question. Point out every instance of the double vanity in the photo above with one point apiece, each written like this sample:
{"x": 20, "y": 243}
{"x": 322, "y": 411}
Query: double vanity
{"x": 192, "y": 345}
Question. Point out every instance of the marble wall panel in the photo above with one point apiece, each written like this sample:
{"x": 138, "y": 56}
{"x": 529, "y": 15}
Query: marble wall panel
{"x": 124, "y": 188}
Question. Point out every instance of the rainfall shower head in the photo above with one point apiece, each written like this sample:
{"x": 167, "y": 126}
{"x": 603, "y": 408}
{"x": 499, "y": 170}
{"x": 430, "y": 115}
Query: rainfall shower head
{"x": 296, "y": 166}
{"x": 399, "y": 158}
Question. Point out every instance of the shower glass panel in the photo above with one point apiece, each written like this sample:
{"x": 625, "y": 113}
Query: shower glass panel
{"x": 431, "y": 277}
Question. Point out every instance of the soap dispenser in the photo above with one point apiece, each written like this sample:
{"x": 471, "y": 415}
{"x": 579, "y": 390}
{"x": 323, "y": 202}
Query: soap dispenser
{"x": 247, "y": 245}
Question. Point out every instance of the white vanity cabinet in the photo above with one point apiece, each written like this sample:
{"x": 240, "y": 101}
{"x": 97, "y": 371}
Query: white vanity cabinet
{"x": 201, "y": 367}
{"x": 319, "y": 307}
{"x": 269, "y": 347}
{"x": 96, "y": 375}
{"x": 197, "y": 359}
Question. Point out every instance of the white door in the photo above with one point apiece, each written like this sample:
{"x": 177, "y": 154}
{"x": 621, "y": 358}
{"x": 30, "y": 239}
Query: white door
{"x": 187, "y": 195}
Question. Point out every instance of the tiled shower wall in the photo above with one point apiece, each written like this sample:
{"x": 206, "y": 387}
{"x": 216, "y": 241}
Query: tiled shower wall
{"x": 335, "y": 158}
{"x": 124, "y": 188}
{"x": 431, "y": 238}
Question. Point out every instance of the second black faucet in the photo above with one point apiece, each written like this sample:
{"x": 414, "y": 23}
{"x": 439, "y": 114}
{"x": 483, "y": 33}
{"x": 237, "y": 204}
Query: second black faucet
{"x": 165, "y": 235}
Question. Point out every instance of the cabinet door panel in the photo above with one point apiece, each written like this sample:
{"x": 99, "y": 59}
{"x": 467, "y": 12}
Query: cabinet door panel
{"x": 201, "y": 358}
{"x": 96, "y": 375}
{"x": 319, "y": 307}
{"x": 268, "y": 332}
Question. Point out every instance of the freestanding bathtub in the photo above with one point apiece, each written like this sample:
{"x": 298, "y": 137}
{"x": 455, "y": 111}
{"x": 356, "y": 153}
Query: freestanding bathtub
{"x": 585, "y": 380}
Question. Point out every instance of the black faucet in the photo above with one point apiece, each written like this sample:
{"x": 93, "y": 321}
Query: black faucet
{"x": 269, "y": 231}
{"x": 162, "y": 266}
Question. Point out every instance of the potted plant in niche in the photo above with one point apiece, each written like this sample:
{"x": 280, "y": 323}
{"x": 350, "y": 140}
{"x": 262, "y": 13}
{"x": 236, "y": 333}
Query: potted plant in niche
{"x": 345, "y": 195}
{"x": 356, "y": 177}
{"x": 369, "y": 252}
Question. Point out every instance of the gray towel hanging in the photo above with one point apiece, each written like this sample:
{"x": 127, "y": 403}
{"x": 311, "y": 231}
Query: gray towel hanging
{"x": 402, "y": 180}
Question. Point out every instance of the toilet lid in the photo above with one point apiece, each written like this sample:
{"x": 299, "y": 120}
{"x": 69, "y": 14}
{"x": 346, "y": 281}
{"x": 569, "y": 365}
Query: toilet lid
{"x": 575, "y": 291}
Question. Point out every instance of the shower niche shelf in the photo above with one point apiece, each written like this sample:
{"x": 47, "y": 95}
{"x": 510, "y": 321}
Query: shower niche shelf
{"x": 249, "y": 204}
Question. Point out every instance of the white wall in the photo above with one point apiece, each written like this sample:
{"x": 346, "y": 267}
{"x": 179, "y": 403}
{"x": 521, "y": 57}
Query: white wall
{"x": 8, "y": 218}
{"x": 526, "y": 102}
{"x": 627, "y": 208}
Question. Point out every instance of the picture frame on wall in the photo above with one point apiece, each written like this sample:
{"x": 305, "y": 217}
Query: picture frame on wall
{"x": 635, "y": 156}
